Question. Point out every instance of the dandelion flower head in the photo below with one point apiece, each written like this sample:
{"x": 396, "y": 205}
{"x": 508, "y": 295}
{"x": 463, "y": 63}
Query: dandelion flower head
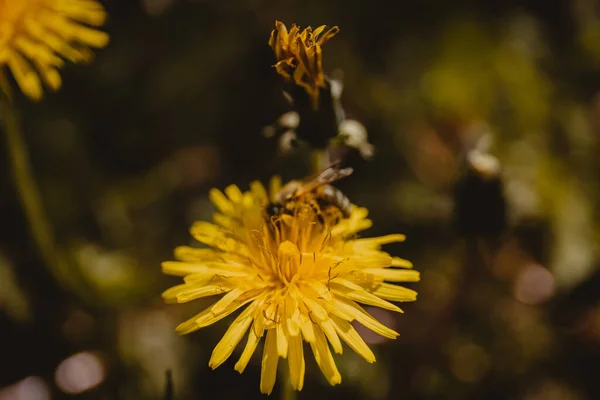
{"x": 299, "y": 56}
{"x": 37, "y": 35}
{"x": 298, "y": 276}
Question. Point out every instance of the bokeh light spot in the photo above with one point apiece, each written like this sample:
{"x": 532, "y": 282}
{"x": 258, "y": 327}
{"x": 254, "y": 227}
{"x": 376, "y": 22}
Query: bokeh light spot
{"x": 534, "y": 285}
{"x": 469, "y": 363}
{"x": 30, "y": 388}
{"x": 80, "y": 372}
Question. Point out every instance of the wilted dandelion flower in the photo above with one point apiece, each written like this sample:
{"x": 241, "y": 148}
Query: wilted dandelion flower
{"x": 35, "y": 36}
{"x": 299, "y": 56}
{"x": 299, "y": 274}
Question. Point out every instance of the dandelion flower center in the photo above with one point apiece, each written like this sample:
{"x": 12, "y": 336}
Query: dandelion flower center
{"x": 300, "y": 274}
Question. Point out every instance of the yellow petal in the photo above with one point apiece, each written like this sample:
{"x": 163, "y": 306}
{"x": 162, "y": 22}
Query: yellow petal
{"x": 321, "y": 290}
{"x": 274, "y": 187}
{"x": 55, "y": 42}
{"x": 191, "y": 254}
{"x": 352, "y": 338}
{"x": 328, "y": 35}
{"x": 400, "y": 262}
{"x": 292, "y": 316}
{"x": 50, "y": 76}
{"x": 208, "y": 317}
{"x": 234, "y": 193}
{"x": 307, "y": 328}
{"x": 303, "y": 58}
{"x": 225, "y": 221}
{"x": 324, "y": 358}
{"x": 329, "y": 330}
{"x": 395, "y": 293}
{"x": 215, "y": 236}
{"x": 362, "y": 296}
{"x": 270, "y": 359}
{"x": 179, "y": 268}
{"x": 356, "y": 223}
{"x": 282, "y": 342}
{"x": 259, "y": 323}
{"x": 231, "y": 338}
{"x": 317, "y": 310}
{"x": 25, "y": 76}
{"x": 285, "y": 68}
{"x": 336, "y": 309}
{"x": 73, "y": 31}
{"x": 347, "y": 284}
{"x": 220, "y": 201}
{"x": 273, "y": 41}
{"x": 82, "y": 12}
{"x": 395, "y": 275}
{"x": 296, "y": 362}
{"x": 184, "y": 293}
{"x": 37, "y": 51}
{"x": 373, "y": 259}
{"x": 376, "y": 242}
{"x": 259, "y": 192}
{"x": 279, "y": 38}
{"x": 363, "y": 317}
{"x": 251, "y": 344}
{"x": 367, "y": 281}
{"x": 227, "y": 300}
{"x": 318, "y": 30}
{"x": 203, "y": 279}
{"x": 316, "y": 67}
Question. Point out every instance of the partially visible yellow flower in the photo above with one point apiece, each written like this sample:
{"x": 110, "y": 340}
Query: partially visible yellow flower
{"x": 299, "y": 56}
{"x": 297, "y": 277}
{"x": 35, "y": 34}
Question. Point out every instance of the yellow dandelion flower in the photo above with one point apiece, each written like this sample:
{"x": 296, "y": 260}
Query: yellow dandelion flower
{"x": 35, "y": 34}
{"x": 299, "y": 56}
{"x": 299, "y": 276}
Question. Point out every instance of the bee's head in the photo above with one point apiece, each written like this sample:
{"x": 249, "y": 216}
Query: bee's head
{"x": 273, "y": 209}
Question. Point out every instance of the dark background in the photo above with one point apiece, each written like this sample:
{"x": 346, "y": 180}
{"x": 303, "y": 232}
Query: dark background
{"x": 125, "y": 153}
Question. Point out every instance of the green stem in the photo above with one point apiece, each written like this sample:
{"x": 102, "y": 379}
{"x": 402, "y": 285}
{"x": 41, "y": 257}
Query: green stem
{"x": 23, "y": 177}
{"x": 316, "y": 162}
{"x": 27, "y": 189}
{"x": 287, "y": 391}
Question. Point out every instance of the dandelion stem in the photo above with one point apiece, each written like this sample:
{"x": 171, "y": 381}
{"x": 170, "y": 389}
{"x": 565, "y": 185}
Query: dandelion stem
{"x": 287, "y": 391}
{"x": 316, "y": 161}
{"x": 27, "y": 189}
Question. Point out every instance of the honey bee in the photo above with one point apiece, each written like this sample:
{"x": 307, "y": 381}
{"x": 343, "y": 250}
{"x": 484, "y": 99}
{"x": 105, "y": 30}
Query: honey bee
{"x": 329, "y": 203}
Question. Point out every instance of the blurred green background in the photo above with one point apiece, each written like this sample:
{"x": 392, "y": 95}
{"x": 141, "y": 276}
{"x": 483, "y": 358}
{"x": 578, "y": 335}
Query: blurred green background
{"x": 125, "y": 152}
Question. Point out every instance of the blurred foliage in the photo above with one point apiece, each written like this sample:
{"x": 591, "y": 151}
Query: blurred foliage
{"x": 125, "y": 152}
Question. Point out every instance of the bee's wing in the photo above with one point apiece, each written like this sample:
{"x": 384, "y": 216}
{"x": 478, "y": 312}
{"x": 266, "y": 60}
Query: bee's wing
{"x": 328, "y": 175}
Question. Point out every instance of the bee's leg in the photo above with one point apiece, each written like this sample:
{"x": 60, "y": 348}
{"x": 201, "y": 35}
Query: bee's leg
{"x": 314, "y": 204}
{"x": 321, "y": 219}
{"x": 334, "y": 215}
